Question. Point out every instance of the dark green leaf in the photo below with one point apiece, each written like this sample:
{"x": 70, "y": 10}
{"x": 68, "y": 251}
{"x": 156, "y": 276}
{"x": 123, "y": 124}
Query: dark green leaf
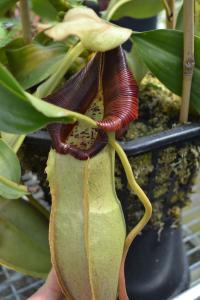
{"x": 10, "y": 173}
{"x": 13, "y": 140}
{"x": 3, "y": 35}
{"x": 9, "y": 29}
{"x": 137, "y": 67}
{"x": 5, "y": 5}
{"x": 197, "y": 18}
{"x": 3, "y": 57}
{"x": 135, "y": 8}
{"x": 60, "y": 5}
{"x": 10, "y": 189}
{"x": 42, "y": 39}
{"x": 44, "y": 9}
{"x": 24, "y": 238}
{"x": 9, "y": 163}
{"x": 14, "y": 44}
{"x": 63, "y": 5}
{"x": 34, "y": 63}
{"x": 179, "y": 21}
{"x": 22, "y": 113}
{"x": 162, "y": 52}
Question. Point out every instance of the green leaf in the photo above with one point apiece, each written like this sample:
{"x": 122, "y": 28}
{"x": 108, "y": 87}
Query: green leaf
{"x": 14, "y": 44}
{"x": 24, "y": 238}
{"x": 94, "y": 33}
{"x": 3, "y": 34}
{"x": 136, "y": 65}
{"x": 47, "y": 87}
{"x": 60, "y": 5}
{"x": 197, "y": 18}
{"x": 42, "y": 39}
{"x": 10, "y": 189}
{"x": 18, "y": 114}
{"x": 3, "y": 57}
{"x": 5, "y": 5}
{"x": 34, "y": 63}
{"x": 13, "y": 140}
{"x": 162, "y": 52}
{"x": 9, "y": 163}
{"x": 10, "y": 173}
{"x": 133, "y": 8}
{"x": 86, "y": 216}
{"x": 63, "y": 5}
{"x": 22, "y": 113}
{"x": 179, "y": 21}
{"x": 44, "y": 9}
{"x": 9, "y": 29}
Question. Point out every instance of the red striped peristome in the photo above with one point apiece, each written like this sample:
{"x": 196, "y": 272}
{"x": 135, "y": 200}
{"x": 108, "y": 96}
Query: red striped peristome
{"x": 120, "y": 93}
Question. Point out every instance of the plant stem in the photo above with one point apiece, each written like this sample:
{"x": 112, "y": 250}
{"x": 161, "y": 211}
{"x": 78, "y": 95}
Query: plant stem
{"x": 26, "y": 22}
{"x": 148, "y": 211}
{"x": 170, "y": 13}
{"x": 188, "y": 57}
{"x": 51, "y": 84}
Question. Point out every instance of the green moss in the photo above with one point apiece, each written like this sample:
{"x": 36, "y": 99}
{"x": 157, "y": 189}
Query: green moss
{"x": 165, "y": 175}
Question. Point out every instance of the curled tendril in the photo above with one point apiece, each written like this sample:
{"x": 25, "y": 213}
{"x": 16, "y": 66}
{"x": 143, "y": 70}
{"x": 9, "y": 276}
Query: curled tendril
{"x": 109, "y": 72}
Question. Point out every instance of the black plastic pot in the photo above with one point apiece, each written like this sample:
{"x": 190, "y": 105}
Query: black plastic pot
{"x": 138, "y": 24}
{"x": 156, "y": 265}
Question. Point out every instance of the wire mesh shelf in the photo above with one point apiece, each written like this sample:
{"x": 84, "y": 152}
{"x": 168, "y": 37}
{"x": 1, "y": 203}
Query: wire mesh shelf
{"x": 15, "y": 286}
{"x": 191, "y": 238}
